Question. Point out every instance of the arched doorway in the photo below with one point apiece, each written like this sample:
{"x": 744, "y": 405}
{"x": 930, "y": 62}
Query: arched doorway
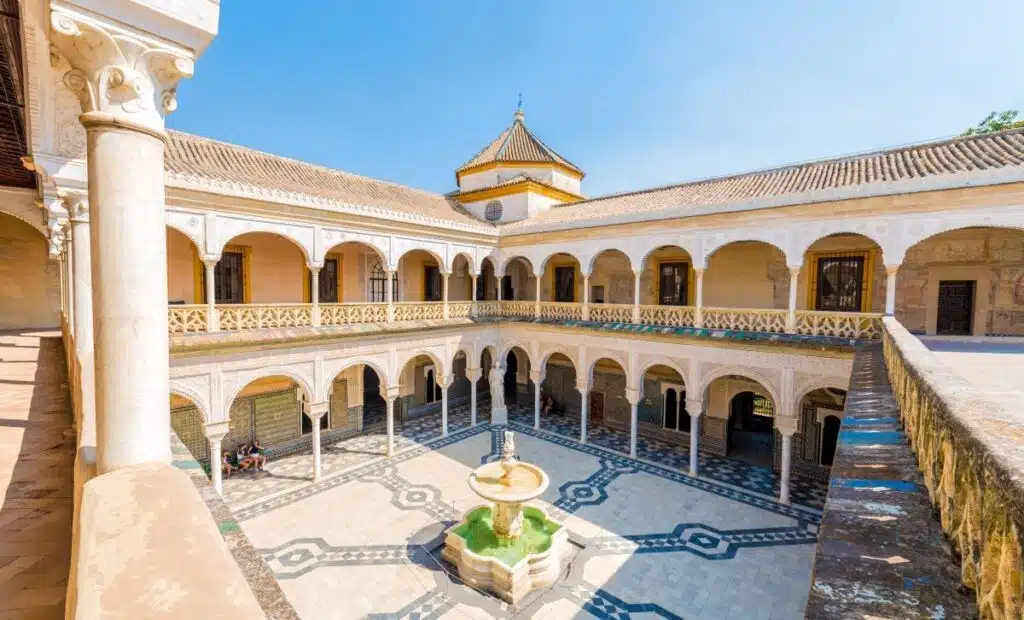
{"x": 829, "y": 439}
{"x": 821, "y": 411}
{"x": 751, "y": 428}
{"x": 558, "y": 390}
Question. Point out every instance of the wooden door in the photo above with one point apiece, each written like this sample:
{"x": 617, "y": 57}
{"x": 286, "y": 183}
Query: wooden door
{"x": 956, "y": 307}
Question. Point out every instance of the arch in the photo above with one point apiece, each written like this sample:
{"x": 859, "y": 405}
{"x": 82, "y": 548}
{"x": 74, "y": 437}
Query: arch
{"x": 403, "y": 361}
{"x": 547, "y": 353}
{"x": 441, "y": 262}
{"x": 713, "y": 245}
{"x": 819, "y": 383}
{"x": 646, "y": 256}
{"x": 746, "y": 373}
{"x": 245, "y": 379}
{"x": 385, "y": 378}
{"x": 269, "y": 229}
{"x": 380, "y": 252}
{"x": 510, "y": 344}
{"x": 552, "y": 254}
{"x": 608, "y": 355}
{"x": 507, "y": 261}
{"x": 592, "y": 259}
{"x": 469, "y": 261}
{"x": 184, "y": 391}
{"x": 659, "y": 361}
{"x": 31, "y": 212}
{"x": 197, "y": 244}
{"x": 803, "y": 244}
{"x": 926, "y": 229}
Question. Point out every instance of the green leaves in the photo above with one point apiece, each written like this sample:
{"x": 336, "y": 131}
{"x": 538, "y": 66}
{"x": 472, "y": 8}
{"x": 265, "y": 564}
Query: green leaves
{"x": 995, "y": 121}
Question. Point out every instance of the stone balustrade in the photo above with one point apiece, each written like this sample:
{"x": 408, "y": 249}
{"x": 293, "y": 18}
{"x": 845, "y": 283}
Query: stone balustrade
{"x": 968, "y": 450}
{"x": 194, "y": 318}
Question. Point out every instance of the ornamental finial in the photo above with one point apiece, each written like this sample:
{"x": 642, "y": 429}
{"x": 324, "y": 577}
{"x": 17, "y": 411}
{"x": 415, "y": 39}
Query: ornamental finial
{"x": 519, "y": 109}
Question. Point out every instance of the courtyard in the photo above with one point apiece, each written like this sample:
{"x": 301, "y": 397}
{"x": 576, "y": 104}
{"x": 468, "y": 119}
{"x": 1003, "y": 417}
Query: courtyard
{"x": 647, "y": 540}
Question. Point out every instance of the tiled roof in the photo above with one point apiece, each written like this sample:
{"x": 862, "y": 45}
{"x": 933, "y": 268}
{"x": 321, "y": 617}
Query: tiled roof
{"x": 981, "y": 156}
{"x": 190, "y": 157}
{"x": 519, "y": 178}
{"x": 517, "y": 144}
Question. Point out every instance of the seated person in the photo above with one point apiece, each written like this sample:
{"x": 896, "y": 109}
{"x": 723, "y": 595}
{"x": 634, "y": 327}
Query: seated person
{"x": 225, "y": 464}
{"x": 258, "y": 456}
{"x": 546, "y": 403}
{"x": 242, "y": 457}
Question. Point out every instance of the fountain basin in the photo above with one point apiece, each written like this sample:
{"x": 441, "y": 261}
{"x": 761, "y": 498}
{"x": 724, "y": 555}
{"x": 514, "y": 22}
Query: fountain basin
{"x": 510, "y": 568}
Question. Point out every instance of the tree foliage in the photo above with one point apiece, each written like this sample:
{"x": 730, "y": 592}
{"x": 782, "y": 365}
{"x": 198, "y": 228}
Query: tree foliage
{"x": 995, "y": 121}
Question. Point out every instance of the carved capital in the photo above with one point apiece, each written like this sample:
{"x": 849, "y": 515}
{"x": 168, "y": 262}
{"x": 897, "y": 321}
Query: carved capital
{"x": 118, "y": 71}
{"x": 787, "y": 425}
{"x": 216, "y": 431}
{"x": 891, "y": 270}
{"x": 315, "y": 411}
{"x": 58, "y": 236}
{"x": 474, "y": 374}
{"x": 76, "y": 203}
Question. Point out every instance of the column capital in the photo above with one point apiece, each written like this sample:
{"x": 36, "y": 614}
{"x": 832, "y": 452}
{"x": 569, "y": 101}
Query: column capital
{"x": 633, "y": 395}
{"x": 390, "y": 393}
{"x": 890, "y": 270}
{"x": 444, "y": 381}
{"x": 216, "y": 431}
{"x": 694, "y": 407}
{"x": 787, "y": 425}
{"x": 315, "y": 267}
{"x": 699, "y": 271}
{"x": 474, "y": 374}
{"x": 119, "y": 73}
{"x": 582, "y": 388}
{"x": 537, "y": 376}
{"x": 77, "y": 204}
{"x": 211, "y": 261}
{"x": 315, "y": 411}
{"x": 794, "y": 271}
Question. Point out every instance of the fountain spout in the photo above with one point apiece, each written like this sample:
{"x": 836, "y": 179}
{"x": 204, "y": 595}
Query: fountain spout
{"x": 508, "y": 458}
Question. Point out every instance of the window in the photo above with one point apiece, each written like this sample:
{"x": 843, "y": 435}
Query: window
{"x": 676, "y": 417}
{"x": 840, "y": 283}
{"x": 672, "y": 281}
{"x": 763, "y": 407}
{"x": 431, "y": 283}
{"x": 328, "y": 282}
{"x": 229, "y": 279}
{"x": 565, "y": 284}
{"x": 492, "y": 212}
{"x": 377, "y": 285}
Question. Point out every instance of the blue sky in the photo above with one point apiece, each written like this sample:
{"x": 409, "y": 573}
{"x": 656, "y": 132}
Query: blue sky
{"x": 637, "y": 93}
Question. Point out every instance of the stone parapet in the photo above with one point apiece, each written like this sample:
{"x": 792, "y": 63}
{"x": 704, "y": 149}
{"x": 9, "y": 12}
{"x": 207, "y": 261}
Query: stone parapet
{"x": 969, "y": 452}
{"x": 149, "y": 549}
{"x": 881, "y": 553}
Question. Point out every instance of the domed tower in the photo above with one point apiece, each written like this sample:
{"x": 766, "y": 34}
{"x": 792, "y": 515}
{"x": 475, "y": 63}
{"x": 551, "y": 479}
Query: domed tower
{"x": 515, "y": 177}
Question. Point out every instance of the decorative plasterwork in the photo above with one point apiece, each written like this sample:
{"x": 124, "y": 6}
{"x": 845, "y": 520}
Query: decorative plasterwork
{"x": 76, "y": 203}
{"x": 118, "y": 71}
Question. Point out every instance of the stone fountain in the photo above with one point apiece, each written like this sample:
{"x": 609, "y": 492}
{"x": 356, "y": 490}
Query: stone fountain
{"x": 509, "y": 548}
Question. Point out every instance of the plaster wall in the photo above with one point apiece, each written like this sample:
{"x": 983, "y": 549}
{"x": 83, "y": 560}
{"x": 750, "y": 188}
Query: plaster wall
{"x": 411, "y": 275}
{"x": 492, "y": 177}
{"x": 747, "y": 275}
{"x": 181, "y": 269}
{"x": 29, "y": 281}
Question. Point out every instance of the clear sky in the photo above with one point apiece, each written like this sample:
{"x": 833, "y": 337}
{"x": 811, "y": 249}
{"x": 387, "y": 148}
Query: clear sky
{"x": 637, "y": 93}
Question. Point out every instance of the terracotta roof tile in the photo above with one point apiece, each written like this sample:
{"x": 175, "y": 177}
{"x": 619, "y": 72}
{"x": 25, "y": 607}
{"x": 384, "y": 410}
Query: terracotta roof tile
{"x": 190, "y": 156}
{"x": 517, "y": 144}
{"x": 933, "y": 160}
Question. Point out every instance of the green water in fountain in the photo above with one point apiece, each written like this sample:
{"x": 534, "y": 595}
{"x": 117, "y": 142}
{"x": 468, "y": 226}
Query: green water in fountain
{"x": 478, "y": 532}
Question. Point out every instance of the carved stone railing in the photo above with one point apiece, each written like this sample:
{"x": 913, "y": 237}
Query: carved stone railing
{"x": 488, "y": 308}
{"x": 419, "y": 310}
{"x": 353, "y": 313}
{"x": 188, "y": 319}
{"x": 672, "y": 316}
{"x": 460, "y": 309}
{"x": 561, "y": 310}
{"x": 745, "y": 319}
{"x": 864, "y": 325}
{"x": 611, "y": 313}
{"x": 235, "y": 317}
{"x": 968, "y": 449}
{"x": 517, "y": 309}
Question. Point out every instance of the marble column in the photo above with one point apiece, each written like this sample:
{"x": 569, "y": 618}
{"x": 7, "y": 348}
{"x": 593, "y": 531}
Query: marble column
{"x": 215, "y": 434}
{"x": 472, "y": 294}
{"x": 536, "y": 296}
{"x": 314, "y": 293}
{"x": 212, "y": 318}
{"x": 787, "y": 457}
{"x": 698, "y": 311}
{"x": 586, "y": 297}
{"x": 538, "y": 379}
{"x": 77, "y": 205}
{"x": 390, "y": 394}
{"x": 444, "y": 294}
{"x": 890, "y": 289}
{"x": 584, "y": 405}
{"x": 696, "y": 410}
{"x": 794, "y": 277}
{"x": 633, "y": 395}
{"x": 636, "y": 296}
{"x": 126, "y": 85}
{"x": 389, "y": 294}
{"x": 473, "y": 374}
{"x": 444, "y": 405}
{"x": 315, "y": 412}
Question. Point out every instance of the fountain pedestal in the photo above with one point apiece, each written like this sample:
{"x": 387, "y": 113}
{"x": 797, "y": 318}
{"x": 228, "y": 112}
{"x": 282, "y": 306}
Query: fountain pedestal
{"x": 509, "y": 548}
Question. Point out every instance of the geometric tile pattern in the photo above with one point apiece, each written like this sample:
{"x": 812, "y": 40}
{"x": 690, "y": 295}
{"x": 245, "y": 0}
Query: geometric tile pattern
{"x": 298, "y": 557}
{"x": 706, "y": 541}
{"x": 428, "y": 606}
{"x": 408, "y": 496}
{"x": 603, "y": 604}
{"x": 591, "y": 492}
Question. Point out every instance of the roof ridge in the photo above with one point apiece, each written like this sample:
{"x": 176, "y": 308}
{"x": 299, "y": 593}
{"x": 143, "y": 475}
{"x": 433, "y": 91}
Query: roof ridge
{"x": 322, "y": 167}
{"x": 935, "y": 142}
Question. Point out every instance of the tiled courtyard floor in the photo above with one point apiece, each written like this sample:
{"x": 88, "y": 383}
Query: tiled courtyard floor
{"x": 649, "y": 541}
